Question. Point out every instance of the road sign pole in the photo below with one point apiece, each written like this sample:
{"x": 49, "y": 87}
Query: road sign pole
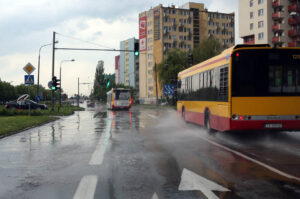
{"x": 53, "y": 60}
{"x": 29, "y": 99}
{"x": 78, "y": 94}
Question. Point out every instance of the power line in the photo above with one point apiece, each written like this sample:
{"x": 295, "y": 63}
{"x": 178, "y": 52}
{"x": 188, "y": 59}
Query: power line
{"x": 70, "y": 37}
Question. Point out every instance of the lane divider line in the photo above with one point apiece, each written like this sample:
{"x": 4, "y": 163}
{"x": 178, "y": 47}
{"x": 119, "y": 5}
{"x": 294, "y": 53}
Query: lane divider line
{"x": 253, "y": 160}
{"x": 86, "y": 188}
{"x": 98, "y": 155}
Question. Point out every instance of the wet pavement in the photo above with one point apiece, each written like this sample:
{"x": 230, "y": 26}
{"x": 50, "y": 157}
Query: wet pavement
{"x": 146, "y": 153}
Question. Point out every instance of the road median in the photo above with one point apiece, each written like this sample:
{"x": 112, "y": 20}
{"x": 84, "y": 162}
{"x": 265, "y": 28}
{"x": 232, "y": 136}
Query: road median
{"x": 14, "y": 121}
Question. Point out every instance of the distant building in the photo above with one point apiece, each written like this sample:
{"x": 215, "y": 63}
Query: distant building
{"x": 117, "y": 69}
{"x": 129, "y": 64}
{"x": 163, "y": 28}
{"x": 273, "y": 22}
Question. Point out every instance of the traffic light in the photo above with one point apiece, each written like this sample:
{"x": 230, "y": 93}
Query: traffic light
{"x": 190, "y": 59}
{"x": 55, "y": 83}
{"x": 107, "y": 83}
{"x": 136, "y": 49}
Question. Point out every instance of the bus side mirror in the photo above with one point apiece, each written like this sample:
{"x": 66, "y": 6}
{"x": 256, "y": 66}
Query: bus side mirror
{"x": 179, "y": 84}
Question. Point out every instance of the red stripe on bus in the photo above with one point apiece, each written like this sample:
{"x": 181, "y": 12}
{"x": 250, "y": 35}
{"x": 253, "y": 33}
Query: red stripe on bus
{"x": 212, "y": 62}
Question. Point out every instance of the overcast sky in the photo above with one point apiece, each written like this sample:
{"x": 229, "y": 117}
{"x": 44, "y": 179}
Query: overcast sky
{"x": 25, "y": 25}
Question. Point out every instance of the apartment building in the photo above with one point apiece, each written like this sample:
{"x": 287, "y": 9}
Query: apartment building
{"x": 117, "y": 70}
{"x": 129, "y": 64}
{"x": 274, "y": 22}
{"x": 163, "y": 28}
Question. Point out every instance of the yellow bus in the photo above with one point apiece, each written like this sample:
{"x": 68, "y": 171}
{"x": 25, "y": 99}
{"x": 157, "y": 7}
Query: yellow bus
{"x": 246, "y": 87}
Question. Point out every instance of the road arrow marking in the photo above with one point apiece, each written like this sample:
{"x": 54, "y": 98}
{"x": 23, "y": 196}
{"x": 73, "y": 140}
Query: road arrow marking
{"x": 155, "y": 196}
{"x": 190, "y": 181}
{"x": 86, "y": 188}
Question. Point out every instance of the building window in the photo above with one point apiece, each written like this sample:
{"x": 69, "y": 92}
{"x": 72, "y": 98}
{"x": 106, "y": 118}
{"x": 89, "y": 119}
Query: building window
{"x": 260, "y": 12}
{"x": 260, "y": 24}
{"x": 260, "y": 1}
{"x": 251, "y": 26}
{"x": 251, "y": 3}
{"x": 260, "y": 36}
{"x": 251, "y": 15}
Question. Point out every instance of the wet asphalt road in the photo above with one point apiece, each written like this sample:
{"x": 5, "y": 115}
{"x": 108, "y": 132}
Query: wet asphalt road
{"x": 146, "y": 153}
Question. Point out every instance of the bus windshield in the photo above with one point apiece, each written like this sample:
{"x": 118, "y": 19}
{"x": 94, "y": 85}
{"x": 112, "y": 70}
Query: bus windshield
{"x": 121, "y": 95}
{"x": 273, "y": 72}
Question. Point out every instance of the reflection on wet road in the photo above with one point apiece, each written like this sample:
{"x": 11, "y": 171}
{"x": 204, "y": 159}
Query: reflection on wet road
{"x": 146, "y": 153}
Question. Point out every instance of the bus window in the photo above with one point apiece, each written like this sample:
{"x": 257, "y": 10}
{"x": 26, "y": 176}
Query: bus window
{"x": 289, "y": 83}
{"x": 121, "y": 95}
{"x": 205, "y": 80}
{"x": 201, "y": 80}
{"x": 298, "y": 79}
{"x": 275, "y": 77}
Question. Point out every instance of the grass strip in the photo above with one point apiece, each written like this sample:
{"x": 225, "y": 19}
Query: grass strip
{"x": 13, "y": 124}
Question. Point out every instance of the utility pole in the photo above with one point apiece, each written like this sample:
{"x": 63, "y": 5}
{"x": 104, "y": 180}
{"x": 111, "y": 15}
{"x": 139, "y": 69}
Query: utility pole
{"x": 53, "y": 60}
{"x": 78, "y": 94}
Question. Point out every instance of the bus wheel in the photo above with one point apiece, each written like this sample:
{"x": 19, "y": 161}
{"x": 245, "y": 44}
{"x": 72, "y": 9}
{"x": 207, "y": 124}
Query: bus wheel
{"x": 207, "y": 122}
{"x": 183, "y": 114}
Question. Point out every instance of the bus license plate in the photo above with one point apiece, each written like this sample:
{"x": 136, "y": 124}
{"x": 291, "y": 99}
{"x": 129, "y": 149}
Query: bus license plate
{"x": 273, "y": 126}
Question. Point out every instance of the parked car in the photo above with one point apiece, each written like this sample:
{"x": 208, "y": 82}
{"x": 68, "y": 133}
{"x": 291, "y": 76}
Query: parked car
{"x": 90, "y": 104}
{"x": 23, "y": 103}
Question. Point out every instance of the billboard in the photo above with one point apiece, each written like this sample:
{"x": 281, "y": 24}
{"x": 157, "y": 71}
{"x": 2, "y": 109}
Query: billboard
{"x": 143, "y": 33}
{"x": 117, "y": 69}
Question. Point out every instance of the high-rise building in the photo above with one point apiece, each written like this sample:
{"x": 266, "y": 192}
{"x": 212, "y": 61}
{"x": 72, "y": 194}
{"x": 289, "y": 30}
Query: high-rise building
{"x": 273, "y": 22}
{"x": 117, "y": 70}
{"x": 129, "y": 64}
{"x": 163, "y": 28}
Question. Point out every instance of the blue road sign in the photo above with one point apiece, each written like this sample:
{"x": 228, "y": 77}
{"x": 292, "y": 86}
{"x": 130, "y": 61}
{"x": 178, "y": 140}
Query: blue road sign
{"x": 29, "y": 79}
{"x": 37, "y": 98}
{"x": 169, "y": 89}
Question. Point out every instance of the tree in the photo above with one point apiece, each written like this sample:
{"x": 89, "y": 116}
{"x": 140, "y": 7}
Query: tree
{"x": 208, "y": 48}
{"x": 174, "y": 62}
{"x": 99, "y": 82}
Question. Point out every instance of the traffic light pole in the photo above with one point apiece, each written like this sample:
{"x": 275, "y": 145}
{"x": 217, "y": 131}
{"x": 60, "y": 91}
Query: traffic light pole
{"x": 53, "y": 59}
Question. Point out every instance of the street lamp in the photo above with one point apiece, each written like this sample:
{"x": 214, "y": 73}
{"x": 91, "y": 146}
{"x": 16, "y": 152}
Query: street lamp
{"x": 38, "y": 83}
{"x": 62, "y": 61}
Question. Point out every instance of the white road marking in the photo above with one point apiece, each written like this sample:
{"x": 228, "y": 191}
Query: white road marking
{"x": 154, "y": 196}
{"x": 98, "y": 155}
{"x": 152, "y": 116}
{"x": 86, "y": 188}
{"x": 253, "y": 160}
{"x": 190, "y": 181}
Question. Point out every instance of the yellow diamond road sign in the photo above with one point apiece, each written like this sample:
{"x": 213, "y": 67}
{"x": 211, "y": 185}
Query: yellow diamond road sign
{"x": 29, "y": 68}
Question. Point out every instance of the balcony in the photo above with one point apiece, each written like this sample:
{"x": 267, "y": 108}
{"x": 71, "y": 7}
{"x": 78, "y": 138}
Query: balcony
{"x": 277, "y": 16}
{"x": 294, "y": 8}
{"x": 277, "y": 40}
{"x": 277, "y": 28}
{"x": 294, "y": 33}
{"x": 294, "y": 20}
{"x": 294, "y": 44}
{"x": 275, "y": 3}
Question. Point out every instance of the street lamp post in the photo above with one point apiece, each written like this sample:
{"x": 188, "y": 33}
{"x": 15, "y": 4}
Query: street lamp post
{"x": 38, "y": 81}
{"x": 72, "y": 60}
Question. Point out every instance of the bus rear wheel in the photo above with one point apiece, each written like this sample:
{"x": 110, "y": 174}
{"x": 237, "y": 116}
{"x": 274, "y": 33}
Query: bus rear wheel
{"x": 183, "y": 114}
{"x": 207, "y": 122}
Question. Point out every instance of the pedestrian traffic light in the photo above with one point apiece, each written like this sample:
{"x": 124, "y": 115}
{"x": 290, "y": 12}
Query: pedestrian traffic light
{"x": 190, "y": 59}
{"x": 107, "y": 83}
{"x": 136, "y": 49}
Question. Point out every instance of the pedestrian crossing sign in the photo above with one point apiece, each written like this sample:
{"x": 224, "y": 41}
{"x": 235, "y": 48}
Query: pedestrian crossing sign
{"x": 29, "y": 79}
